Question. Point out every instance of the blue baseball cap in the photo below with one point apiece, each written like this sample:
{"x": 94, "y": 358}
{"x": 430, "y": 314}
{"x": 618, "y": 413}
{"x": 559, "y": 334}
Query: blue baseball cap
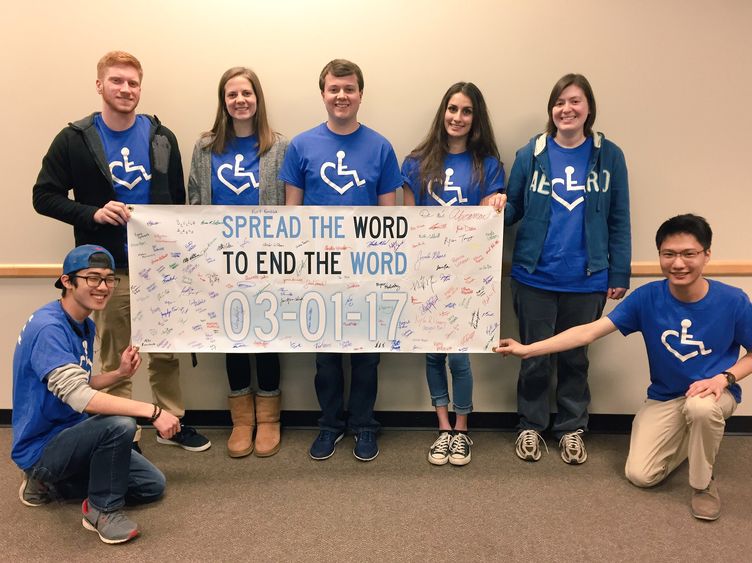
{"x": 86, "y": 256}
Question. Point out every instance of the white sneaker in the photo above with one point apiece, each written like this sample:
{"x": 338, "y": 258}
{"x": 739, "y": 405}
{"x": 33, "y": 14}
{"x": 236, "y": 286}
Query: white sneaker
{"x": 527, "y": 446}
{"x": 439, "y": 452}
{"x": 572, "y": 448}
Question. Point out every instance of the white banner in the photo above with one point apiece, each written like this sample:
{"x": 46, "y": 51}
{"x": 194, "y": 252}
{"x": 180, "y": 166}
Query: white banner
{"x": 300, "y": 279}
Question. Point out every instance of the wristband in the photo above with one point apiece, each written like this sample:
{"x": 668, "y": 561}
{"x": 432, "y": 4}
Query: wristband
{"x": 156, "y": 413}
{"x": 730, "y": 377}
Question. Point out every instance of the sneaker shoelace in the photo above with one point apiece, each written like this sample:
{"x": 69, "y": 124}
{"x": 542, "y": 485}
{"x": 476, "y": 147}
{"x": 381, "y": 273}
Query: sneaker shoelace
{"x": 442, "y": 443}
{"x": 366, "y": 437}
{"x": 572, "y": 441}
{"x": 184, "y": 432}
{"x": 114, "y": 518}
{"x": 325, "y": 436}
{"x": 529, "y": 439}
{"x": 460, "y": 444}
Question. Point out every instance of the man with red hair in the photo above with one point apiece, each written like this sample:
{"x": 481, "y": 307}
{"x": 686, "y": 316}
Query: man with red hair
{"x": 111, "y": 159}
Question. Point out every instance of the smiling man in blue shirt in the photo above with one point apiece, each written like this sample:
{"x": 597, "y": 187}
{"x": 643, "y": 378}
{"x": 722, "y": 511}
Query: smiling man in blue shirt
{"x": 694, "y": 329}
{"x": 70, "y": 439}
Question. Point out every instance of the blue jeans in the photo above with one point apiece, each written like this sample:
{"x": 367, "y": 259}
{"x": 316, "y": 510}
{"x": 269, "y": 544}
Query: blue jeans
{"x": 94, "y": 459}
{"x": 542, "y": 314}
{"x": 462, "y": 381}
{"x": 330, "y": 389}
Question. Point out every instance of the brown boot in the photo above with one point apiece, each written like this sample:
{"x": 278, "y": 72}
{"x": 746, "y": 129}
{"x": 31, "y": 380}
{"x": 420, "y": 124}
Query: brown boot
{"x": 240, "y": 443}
{"x": 267, "y": 417}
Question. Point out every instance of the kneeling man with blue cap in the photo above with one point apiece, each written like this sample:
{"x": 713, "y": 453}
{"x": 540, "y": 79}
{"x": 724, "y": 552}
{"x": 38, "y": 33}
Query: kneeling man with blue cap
{"x": 70, "y": 439}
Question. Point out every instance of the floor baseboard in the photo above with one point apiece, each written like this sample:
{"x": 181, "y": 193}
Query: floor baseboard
{"x": 498, "y": 421}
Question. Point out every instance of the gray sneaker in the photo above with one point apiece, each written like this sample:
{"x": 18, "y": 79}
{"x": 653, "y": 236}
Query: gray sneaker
{"x": 572, "y": 448}
{"x": 112, "y": 527}
{"x": 33, "y": 492}
{"x": 706, "y": 503}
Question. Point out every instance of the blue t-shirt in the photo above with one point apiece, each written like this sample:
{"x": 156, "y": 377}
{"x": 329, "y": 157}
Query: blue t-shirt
{"x": 334, "y": 169}
{"x": 687, "y": 342}
{"x": 562, "y": 265}
{"x": 459, "y": 186}
{"x": 49, "y": 340}
{"x": 127, "y": 153}
{"x": 235, "y": 173}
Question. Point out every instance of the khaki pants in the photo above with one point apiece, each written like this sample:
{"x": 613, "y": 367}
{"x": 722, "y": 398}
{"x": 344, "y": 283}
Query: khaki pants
{"x": 114, "y": 332}
{"x": 665, "y": 433}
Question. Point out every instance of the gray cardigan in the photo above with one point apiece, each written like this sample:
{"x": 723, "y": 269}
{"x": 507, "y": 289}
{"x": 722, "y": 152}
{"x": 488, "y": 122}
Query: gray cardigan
{"x": 271, "y": 188}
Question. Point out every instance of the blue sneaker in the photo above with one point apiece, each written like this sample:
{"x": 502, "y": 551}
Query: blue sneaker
{"x": 324, "y": 445}
{"x": 366, "y": 447}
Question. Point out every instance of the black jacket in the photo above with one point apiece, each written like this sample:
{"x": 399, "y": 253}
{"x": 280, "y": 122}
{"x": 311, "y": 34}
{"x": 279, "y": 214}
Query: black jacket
{"x": 76, "y": 161}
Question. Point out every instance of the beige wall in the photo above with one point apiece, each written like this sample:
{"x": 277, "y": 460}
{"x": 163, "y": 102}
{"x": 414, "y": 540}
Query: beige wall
{"x": 671, "y": 79}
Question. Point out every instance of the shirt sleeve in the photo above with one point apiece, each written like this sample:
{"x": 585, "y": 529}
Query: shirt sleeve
{"x": 493, "y": 176}
{"x": 626, "y": 315}
{"x": 70, "y": 384}
{"x": 292, "y": 172}
{"x": 51, "y": 350}
{"x": 411, "y": 175}
{"x": 390, "y": 178}
{"x": 743, "y": 324}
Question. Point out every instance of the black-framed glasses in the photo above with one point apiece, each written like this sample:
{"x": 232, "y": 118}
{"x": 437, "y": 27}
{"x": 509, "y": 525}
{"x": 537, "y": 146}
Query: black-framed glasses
{"x": 93, "y": 280}
{"x": 670, "y": 255}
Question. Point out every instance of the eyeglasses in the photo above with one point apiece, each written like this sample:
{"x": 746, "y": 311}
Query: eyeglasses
{"x": 93, "y": 280}
{"x": 670, "y": 255}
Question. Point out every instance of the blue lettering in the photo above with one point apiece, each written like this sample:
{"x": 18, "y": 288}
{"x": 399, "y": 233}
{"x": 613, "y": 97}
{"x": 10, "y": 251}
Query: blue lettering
{"x": 375, "y": 263}
{"x": 227, "y": 222}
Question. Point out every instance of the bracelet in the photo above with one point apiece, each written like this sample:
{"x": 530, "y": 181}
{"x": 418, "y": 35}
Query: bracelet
{"x": 155, "y": 414}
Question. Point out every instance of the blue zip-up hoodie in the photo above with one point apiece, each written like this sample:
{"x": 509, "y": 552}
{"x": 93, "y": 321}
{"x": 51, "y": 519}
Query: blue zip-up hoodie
{"x": 607, "y": 226}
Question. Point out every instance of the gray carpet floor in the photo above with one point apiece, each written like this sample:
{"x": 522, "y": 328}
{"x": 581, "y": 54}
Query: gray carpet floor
{"x": 397, "y": 507}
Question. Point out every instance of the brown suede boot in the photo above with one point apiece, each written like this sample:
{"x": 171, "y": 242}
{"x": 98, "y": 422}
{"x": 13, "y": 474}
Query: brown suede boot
{"x": 267, "y": 417}
{"x": 240, "y": 442}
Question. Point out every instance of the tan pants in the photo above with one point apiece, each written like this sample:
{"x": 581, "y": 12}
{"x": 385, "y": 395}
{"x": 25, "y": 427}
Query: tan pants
{"x": 665, "y": 433}
{"x": 114, "y": 334}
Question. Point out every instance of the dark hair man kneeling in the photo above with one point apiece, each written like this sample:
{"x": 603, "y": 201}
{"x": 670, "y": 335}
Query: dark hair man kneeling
{"x": 64, "y": 452}
{"x": 693, "y": 330}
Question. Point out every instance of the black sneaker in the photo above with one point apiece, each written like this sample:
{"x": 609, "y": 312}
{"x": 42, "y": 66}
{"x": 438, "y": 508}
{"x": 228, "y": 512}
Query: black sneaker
{"x": 438, "y": 454}
{"x": 188, "y": 439}
{"x": 33, "y": 492}
{"x": 459, "y": 449}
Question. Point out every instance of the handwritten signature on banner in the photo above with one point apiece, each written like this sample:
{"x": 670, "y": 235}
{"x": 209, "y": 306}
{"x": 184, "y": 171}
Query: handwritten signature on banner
{"x": 301, "y": 279}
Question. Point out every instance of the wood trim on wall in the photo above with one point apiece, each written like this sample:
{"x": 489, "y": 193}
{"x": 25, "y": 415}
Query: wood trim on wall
{"x": 30, "y": 270}
{"x": 639, "y": 269}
